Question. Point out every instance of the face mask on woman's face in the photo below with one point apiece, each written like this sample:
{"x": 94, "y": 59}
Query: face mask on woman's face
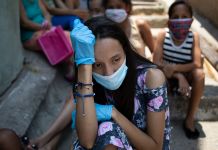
{"x": 112, "y": 82}
{"x": 116, "y": 15}
{"x": 180, "y": 27}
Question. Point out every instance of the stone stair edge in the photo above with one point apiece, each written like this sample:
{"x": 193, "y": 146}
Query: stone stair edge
{"x": 26, "y": 93}
{"x": 155, "y": 21}
{"x": 148, "y": 7}
{"x": 153, "y": 16}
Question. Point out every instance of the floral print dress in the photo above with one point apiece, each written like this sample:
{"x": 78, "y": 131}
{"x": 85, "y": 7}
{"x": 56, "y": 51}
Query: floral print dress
{"x": 154, "y": 100}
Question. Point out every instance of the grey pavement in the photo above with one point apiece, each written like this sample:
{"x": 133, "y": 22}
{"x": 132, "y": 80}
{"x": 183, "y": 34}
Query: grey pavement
{"x": 208, "y": 136}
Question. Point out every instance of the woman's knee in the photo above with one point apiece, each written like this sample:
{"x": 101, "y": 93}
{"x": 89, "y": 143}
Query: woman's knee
{"x": 33, "y": 44}
{"x": 7, "y": 133}
{"x": 198, "y": 74}
{"x": 9, "y": 139}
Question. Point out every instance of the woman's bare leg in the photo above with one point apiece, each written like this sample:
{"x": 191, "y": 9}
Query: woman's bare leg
{"x": 32, "y": 44}
{"x": 52, "y": 144}
{"x": 57, "y": 127}
{"x": 197, "y": 83}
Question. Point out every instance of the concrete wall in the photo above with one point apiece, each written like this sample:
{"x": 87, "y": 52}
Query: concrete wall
{"x": 207, "y": 8}
{"x": 11, "y": 57}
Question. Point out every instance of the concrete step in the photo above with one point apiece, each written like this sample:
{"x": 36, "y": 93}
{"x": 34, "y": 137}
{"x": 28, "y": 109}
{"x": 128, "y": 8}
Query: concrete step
{"x": 208, "y": 136}
{"x": 21, "y": 101}
{"x": 148, "y": 8}
{"x": 155, "y": 21}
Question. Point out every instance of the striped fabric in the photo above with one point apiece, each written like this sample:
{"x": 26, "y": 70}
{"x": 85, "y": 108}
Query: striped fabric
{"x": 181, "y": 54}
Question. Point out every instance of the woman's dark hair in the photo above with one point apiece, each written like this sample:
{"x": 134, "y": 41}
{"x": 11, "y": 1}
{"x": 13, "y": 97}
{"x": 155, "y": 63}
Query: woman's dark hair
{"x": 124, "y": 96}
{"x": 179, "y": 2}
{"x": 127, "y": 2}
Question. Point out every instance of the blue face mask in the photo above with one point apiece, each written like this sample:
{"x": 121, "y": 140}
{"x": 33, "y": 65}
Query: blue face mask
{"x": 112, "y": 82}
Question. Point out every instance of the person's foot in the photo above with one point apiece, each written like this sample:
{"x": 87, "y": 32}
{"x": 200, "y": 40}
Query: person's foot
{"x": 39, "y": 142}
{"x": 26, "y": 143}
{"x": 191, "y": 133}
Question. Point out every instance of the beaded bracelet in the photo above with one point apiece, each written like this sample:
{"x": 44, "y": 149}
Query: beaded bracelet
{"x": 81, "y": 84}
{"x": 83, "y": 96}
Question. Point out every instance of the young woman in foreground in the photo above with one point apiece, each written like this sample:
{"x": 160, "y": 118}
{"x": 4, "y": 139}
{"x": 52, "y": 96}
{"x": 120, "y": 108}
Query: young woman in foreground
{"x": 132, "y": 110}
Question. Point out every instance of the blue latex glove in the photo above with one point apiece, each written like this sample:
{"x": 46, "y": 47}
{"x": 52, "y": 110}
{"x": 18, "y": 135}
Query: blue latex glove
{"x": 73, "y": 119}
{"x": 83, "y": 43}
{"x": 103, "y": 113}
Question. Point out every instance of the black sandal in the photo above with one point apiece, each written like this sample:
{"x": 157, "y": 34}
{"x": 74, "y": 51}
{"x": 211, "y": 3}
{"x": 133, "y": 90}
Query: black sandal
{"x": 189, "y": 133}
{"x": 25, "y": 141}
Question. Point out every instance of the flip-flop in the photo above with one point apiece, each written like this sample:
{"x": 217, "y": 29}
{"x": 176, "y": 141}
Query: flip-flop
{"x": 189, "y": 133}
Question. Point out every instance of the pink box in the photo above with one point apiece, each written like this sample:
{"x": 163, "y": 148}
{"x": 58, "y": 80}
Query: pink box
{"x": 55, "y": 45}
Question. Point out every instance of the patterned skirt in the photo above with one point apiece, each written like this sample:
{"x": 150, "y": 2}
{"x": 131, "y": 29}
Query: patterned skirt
{"x": 108, "y": 133}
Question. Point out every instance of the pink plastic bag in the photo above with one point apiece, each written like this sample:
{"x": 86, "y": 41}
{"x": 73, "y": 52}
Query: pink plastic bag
{"x": 55, "y": 45}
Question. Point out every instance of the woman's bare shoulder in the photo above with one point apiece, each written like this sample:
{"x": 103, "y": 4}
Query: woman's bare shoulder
{"x": 154, "y": 78}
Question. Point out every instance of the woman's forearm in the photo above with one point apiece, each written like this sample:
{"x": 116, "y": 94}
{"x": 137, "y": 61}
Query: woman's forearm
{"x": 184, "y": 67}
{"x": 139, "y": 139}
{"x": 59, "y": 11}
{"x": 44, "y": 9}
{"x": 86, "y": 122}
{"x": 60, "y": 4}
{"x": 29, "y": 25}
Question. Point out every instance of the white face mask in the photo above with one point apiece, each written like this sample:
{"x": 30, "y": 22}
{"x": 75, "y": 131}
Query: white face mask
{"x": 116, "y": 15}
{"x": 112, "y": 82}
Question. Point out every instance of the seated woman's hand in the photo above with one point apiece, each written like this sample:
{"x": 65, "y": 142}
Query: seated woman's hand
{"x": 184, "y": 87}
{"x": 103, "y": 112}
{"x": 46, "y": 25}
{"x": 83, "y": 43}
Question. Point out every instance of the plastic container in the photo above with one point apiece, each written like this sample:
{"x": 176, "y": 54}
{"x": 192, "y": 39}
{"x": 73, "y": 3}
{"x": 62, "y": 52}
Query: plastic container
{"x": 55, "y": 45}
